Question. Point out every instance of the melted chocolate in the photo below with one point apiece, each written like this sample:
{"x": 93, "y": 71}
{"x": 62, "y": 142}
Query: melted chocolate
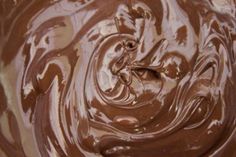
{"x": 117, "y": 78}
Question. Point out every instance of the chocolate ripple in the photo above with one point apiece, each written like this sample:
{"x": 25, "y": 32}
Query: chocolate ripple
{"x": 117, "y": 78}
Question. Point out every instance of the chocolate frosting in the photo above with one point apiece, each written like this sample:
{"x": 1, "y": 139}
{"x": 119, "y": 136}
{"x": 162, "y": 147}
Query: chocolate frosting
{"x": 117, "y": 78}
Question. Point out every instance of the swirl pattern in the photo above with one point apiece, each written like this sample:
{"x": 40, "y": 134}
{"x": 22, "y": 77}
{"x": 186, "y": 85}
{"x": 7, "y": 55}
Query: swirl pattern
{"x": 117, "y": 78}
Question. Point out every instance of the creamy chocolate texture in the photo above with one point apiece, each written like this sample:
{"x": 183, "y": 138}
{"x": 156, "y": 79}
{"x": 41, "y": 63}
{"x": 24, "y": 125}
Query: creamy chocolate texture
{"x": 117, "y": 78}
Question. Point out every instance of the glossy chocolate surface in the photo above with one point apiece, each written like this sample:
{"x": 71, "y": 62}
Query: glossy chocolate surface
{"x": 117, "y": 78}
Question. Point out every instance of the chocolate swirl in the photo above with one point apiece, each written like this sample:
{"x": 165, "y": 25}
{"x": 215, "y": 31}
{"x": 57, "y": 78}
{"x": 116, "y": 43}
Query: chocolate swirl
{"x": 117, "y": 78}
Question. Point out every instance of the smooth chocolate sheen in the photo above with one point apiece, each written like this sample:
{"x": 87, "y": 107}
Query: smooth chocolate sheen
{"x": 117, "y": 78}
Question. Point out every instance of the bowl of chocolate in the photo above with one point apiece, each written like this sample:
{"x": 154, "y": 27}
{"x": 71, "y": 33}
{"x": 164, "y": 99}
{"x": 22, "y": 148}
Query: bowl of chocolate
{"x": 118, "y": 78}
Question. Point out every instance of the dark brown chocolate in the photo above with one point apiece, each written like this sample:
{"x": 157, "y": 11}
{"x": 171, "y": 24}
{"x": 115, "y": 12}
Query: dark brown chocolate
{"x": 117, "y": 78}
